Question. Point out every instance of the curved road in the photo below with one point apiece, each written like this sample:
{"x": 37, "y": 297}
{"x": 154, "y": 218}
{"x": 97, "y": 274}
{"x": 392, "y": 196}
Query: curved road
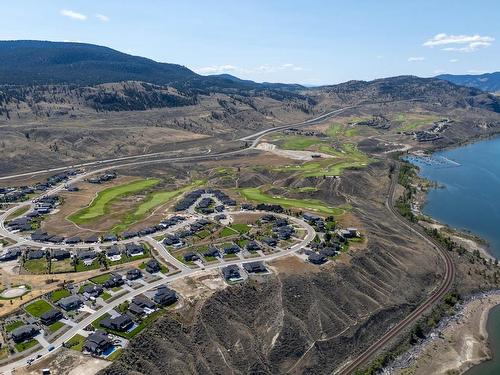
{"x": 311, "y": 233}
{"x": 435, "y": 296}
{"x": 255, "y": 138}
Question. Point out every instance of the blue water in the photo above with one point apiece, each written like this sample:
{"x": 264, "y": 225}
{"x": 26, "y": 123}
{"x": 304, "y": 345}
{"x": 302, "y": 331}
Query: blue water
{"x": 470, "y": 197}
{"x": 490, "y": 367}
{"x": 109, "y": 351}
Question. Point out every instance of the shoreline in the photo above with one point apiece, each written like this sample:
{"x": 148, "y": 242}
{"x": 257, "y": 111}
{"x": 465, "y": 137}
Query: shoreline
{"x": 455, "y": 345}
{"x": 459, "y": 342}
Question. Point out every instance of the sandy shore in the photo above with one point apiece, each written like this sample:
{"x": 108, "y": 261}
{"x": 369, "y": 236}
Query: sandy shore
{"x": 456, "y": 346}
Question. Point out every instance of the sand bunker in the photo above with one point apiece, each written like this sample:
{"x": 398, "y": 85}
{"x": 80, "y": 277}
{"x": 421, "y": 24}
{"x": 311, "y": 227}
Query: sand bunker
{"x": 292, "y": 154}
{"x": 17, "y": 291}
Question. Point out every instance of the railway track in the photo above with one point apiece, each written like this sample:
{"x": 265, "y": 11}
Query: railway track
{"x": 436, "y": 295}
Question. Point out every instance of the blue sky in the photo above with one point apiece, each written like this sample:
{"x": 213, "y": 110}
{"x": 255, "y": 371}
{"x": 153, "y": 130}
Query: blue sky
{"x": 309, "y": 42}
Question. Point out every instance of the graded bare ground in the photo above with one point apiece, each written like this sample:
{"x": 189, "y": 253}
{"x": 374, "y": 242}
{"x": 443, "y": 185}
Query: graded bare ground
{"x": 66, "y": 362}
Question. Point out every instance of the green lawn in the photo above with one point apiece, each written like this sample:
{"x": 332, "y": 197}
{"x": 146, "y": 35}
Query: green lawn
{"x": 256, "y": 194}
{"x": 152, "y": 201}
{"x": 101, "y": 279}
{"x": 240, "y": 228}
{"x": 81, "y": 267}
{"x": 203, "y": 234}
{"x": 36, "y": 266}
{"x": 227, "y": 231}
{"x": 58, "y": 294}
{"x": 113, "y": 356}
{"x": 299, "y": 142}
{"x": 411, "y": 122}
{"x": 12, "y": 326}
{"x": 54, "y": 327}
{"x": 349, "y": 157}
{"x": 22, "y": 346}
{"x": 38, "y": 308}
{"x": 61, "y": 266}
{"x": 18, "y": 212}
{"x": 336, "y": 130}
{"x": 140, "y": 327}
{"x": 105, "y": 296}
{"x": 97, "y": 323}
{"x": 99, "y": 207}
{"x": 76, "y": 343}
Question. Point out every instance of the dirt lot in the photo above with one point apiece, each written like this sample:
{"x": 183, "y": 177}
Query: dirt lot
{"x": 66, "y": 362}
{"x": 292, "y": 265}
{"x": 199, "y": 286}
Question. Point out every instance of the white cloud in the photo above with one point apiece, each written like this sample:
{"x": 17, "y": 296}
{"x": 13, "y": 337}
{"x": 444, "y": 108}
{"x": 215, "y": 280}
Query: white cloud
{"x": 102, "y": 17}
{"x": 379, "y": 57}
{"x": 73, "y": 15}
{"x": 459, "y": 43}
{"x": 439, "y": 71}
{"x": 266, "y": 68}
{"x": 454, "y": 60}
{"x": 416, "y": 59}
{"x": 216, "y": 69}
{"x": 476, "y": 71}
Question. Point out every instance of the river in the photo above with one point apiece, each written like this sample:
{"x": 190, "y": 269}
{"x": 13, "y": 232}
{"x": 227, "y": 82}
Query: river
{"x": 470, "y": 194}
{"x": 469, "y": 198}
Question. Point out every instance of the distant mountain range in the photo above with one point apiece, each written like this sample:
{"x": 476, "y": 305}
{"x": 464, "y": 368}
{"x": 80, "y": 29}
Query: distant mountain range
{"x": 487, "y": 82}
{"x": 29, "y": 62}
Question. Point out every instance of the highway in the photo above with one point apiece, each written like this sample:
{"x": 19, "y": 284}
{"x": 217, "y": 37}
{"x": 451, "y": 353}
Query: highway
{"x": 435, "y": 296}
{"x": 255, "y": 138}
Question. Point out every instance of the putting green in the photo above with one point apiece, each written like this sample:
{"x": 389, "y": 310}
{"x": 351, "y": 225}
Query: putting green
{"x": 256, "y": 194}
{"x": 152, "y": 201}
{"x": 100, "y": 205}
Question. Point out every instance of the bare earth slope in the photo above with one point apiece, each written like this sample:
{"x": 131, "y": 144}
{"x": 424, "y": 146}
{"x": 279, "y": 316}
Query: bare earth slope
{"x": 297, "y": 321}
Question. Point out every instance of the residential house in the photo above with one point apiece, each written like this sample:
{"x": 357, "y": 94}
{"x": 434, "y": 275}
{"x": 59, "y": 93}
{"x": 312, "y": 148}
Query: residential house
{"x": 114, "y": 281}
{"x": 92, "y": 291}
{"x": 165, "y": 296}
{"x": 231, "y": 273}
{"x": 35, "y": 254}
{"x": 70, "y": 303}
{"x": 191, "y": 257}
{"x": 232, "y": 249}
{"x": 73, "y": 240}
{"x": 87, "y": 257}
{"x": 152, "y": 266}
{"x": 134, "y": 274}
{"x": 269, "y": 241}
{"x": 24, "y": 333}
{"x": 119, "y": 323}
{"x": 51, "y": 317}
{"x": 212, "y": 252}
{"x": 60, "y": 254}
{"x": 110, "y": 237}
{"x": 134, "y": 250}
{"x": 11, "y": 254}
{"x": 97, "y": 343}
{"x": 114, "y": 253}
{"x": 252, "y": 246}
{"x": 316, "y": 258}
{"x": 254, "y": 267}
